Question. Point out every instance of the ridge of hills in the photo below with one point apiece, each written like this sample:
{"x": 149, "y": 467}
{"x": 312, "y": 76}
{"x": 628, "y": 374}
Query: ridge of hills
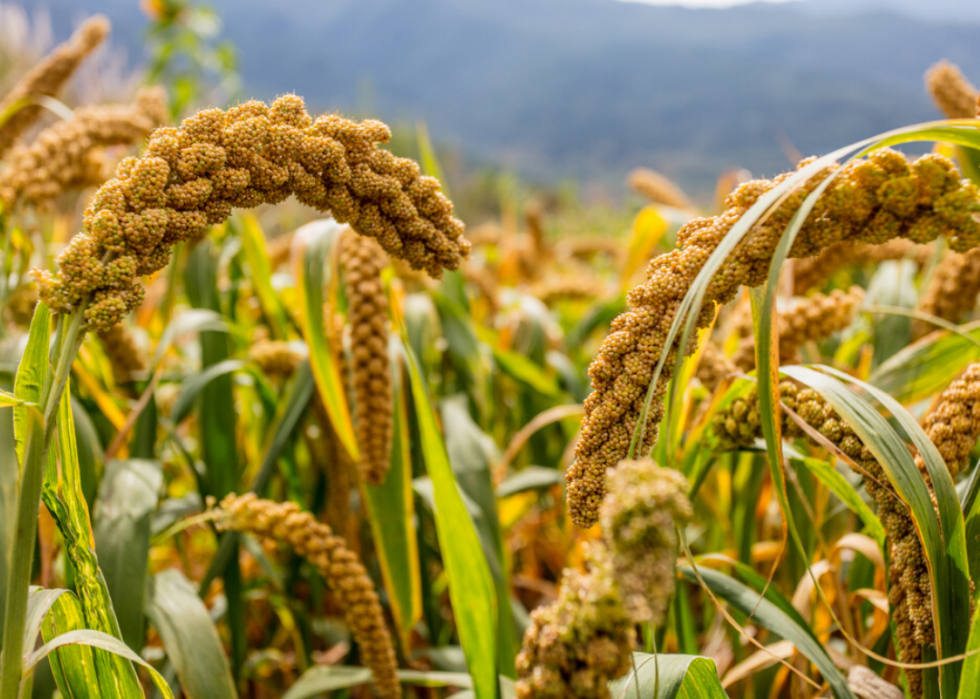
{"x": 590, "y": 88}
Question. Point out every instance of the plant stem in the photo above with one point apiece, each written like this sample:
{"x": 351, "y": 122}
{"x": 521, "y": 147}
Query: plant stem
{"x": 37, "y": 439}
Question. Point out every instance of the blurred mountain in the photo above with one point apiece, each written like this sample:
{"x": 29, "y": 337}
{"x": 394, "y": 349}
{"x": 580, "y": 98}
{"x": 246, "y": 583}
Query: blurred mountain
{"x": 929, "y": 10}
{"x": 591, "y": 88}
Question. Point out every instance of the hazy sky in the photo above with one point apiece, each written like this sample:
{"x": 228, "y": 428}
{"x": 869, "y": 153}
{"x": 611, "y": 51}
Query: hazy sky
{"x": 703, "y": 3}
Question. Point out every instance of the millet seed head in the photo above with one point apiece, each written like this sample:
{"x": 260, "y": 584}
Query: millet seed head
{"x": 575, "y": 646}
{"x": 362, "y": 261}
{"x": 871, "y": 200}
{"x": 48, "y": 77}
{"x": 639, "y": 518}
{"x": 955, "y": 96}
{"x": 287, "y": 524}
{"x": 192, "y": 176}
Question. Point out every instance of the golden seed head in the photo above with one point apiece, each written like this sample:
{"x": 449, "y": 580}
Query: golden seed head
{"x": 658, "y": 188}
{"x": 714, "y": 367}
{"x": 808, "y": 320}
{"x": 275, "y": 358}
{"x": 48, "y": 77}
{"x": 575, "y": 646}
{"x": 953, "y": 423}
{"x": 639, "y": 518}
{"x": 192, "y": 176}
{"x": 952, "y": 291}
{"x": 955, "y": 96}
{"x": 124, "y": 353}
{"x": 21, "y": 304}
{"x": 812, "y": 272}
{"x": 367, "y": 308}
{"x": 570, "y": 288}
{"x": 287, "y": 524}
{"x": 871, "y": 200}
{"x": 70, "y": 154}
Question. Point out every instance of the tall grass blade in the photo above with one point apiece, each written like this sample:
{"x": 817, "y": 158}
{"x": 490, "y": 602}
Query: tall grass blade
{"x": 31, "y": 372}
{"x": 928, "y": 366}
{"x": 471, "y": 587}
{"x": 471, "y": 454}
{"x": 667, "y": 676}
{"x": 253, "y": 244}
{"x": 765, "y": 613}
{"x": 189, "y": 637}
{"x": 391, "y": 512}
{"x": 943, "y": 538}
{"x": 124, "y": 511}
{"x": 314, "y": 264}
{"x": 103, "y": 641}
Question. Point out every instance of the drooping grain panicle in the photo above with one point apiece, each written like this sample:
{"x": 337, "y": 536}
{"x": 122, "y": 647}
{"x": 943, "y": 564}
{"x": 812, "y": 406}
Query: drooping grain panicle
{"x": 808, "y": 320}
{"x": 287, "y": 524}
{"x": 362, "y": 261}
{"x": 192, "y": 176}
{"x": 811, "y": 272}
{"x": 658, "y": 188}
{"x": 953, "y": 423}
{"x": 21, "y": 304}
{"x": 740, "y": 424}
{"x": 952, "y": 291}
{"x": 575, "y": 646}
{"x": 48, "y": 77}
{"x": 275, "y": 358}
{"x": 279, "y": 249}
{"x": 871, "y": 200}
{"x": 639, "y": 519}
{"x": 69, "y": 154}
{"x": 485, "y": 234}
{"x": 955, "y": 96}
{"x": 587, "y": 247}
{"x": 580, "y": 287}
{"x": 956, "y": 422}
{"x": 714, "y": 367}
{"x": 125, "y": 355}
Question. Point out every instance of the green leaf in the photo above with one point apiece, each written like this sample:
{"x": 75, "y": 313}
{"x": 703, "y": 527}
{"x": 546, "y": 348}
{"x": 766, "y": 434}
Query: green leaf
{"x": 530, "y": 478}
{"x": 54, "y": 612}
{"x": 253, "y": 244}
{"x": 189, "y": 637}
{"x": 970, "y": 679}
{"x": 316, "y": 270}
{"x": 522, "y": 369}
{"x": 839, "y": 486}
{"x": 767, "y": 614}
{"x": 123, "y": 520}
{"x": 103, "y": 641}
{"x": 466, "y": 352}
{"x": 391, "y": 512}
{"x": 330, "y": 678}
{"x": 943, "y": 540}
{"x": 666, "y": 676}
{"x": 471, "y": 454}
{"x": 70, "y": 510}
{"x": 30, "y": 373}
{"x": 8, "y": 488}
{"x": 192, "y": 320}
{"x": 430, "y": 163}
{"x": 327, "y": 678}
{"x": 9, "y": 400}
{"x": 471, "y": 586}
{"x": 928, "y": 366}
{"x": 192, "y": 386}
